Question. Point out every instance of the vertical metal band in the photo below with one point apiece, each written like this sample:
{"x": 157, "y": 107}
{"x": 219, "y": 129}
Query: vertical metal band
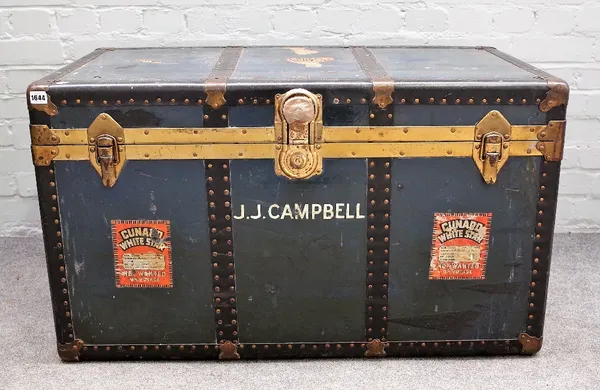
{"x": 378, "y": 248}
{"x": 216, "y": 82}
{"x": 218, "y": 194}
{"x": 68, "y": 346}
{"x": 378, "y": 226}
{"x": 544, "y": 231}
{"x": 383, "y": 84}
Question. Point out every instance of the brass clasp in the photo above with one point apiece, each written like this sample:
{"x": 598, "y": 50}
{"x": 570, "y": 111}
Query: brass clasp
{"x": 106, "y": 148}
{"x": 491, "y": 146}
{"x": 298, "y": 127}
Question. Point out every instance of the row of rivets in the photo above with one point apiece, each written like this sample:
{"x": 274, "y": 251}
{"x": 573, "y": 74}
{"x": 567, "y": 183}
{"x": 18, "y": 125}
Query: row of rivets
{"x": 55, "y": 217}
{"x": 130, "y": 101}
{"x": 221, "y": 240}
{"x": 378, "y": 225}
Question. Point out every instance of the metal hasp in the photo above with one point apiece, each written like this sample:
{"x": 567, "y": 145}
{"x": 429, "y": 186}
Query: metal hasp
{"x": 106, "y": 142}
{"x": 298, "y": 127}
{"x": 492, "y": 145}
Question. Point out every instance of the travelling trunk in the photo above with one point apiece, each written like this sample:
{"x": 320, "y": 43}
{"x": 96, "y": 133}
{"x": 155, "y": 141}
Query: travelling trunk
{"x": 282, "y": 202}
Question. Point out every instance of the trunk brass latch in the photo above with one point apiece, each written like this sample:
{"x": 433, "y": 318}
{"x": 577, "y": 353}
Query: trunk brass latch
{"x": 106, "y": 140}
{"x": 492, "y": 145}
{"x": 298, "y": 127}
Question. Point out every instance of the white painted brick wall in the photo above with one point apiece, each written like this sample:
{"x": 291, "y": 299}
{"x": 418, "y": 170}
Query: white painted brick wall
{"x": 561, "y": 36}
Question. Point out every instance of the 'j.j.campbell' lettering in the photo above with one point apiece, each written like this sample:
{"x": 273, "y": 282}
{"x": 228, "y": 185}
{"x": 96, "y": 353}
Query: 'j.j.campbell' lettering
{"x": 142, "y": 236}
{"x": 462, "y": 228}
{"x": 323, "y": 211}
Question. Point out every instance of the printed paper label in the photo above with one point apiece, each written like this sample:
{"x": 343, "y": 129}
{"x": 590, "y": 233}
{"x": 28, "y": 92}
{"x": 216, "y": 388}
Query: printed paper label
{"x": 142, "y": 253}
{"x": 460, "y": 245}
{"x": 38, "y": 97}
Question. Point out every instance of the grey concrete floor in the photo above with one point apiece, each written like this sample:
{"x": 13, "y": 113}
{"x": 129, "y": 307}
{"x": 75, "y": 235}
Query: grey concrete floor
{"x": 570, "y": 357}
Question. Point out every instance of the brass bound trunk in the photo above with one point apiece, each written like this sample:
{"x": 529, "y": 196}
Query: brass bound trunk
{"x": 266, "y": 202}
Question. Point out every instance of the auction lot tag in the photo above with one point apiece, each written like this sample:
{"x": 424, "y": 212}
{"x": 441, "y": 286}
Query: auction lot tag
{"x": 38, "y": 97}
{"x": 460, "y": 245}
{"x": 142, "y": 253}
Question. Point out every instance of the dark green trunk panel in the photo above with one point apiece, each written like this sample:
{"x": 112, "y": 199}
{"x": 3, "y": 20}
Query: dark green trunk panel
{"x": 298, "y": 278}
{"x": 103, "y": 313}
{"x": 496, "y": 307}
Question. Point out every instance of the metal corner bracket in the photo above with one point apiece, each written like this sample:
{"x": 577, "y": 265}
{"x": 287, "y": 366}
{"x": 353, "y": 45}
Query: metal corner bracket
{"x": 228, "y": 351}
{"x": 375, "y": 348}
{"x": 69, "y": 352}
{"x": 491, "y": 148}
{"x": 552, "y": 150}
{"x": 298, "y": 127}
{"x": 43, "y": 135}
{"x": 530, "y": 344}
{"x": 47, "y": 107}
{"x": 558, "y": 94}
{"x": 106, "y": 145}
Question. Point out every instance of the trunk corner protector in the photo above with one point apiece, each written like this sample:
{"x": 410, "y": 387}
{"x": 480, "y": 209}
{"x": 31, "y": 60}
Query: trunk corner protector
{"x": 69, "y": 352}
{"x": 530, "y": 345}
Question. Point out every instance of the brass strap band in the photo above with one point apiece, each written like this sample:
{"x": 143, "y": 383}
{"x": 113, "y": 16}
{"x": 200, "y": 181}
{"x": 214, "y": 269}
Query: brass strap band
{"x": 216, "y": 82}
{"x": 43, "y": 155}
{"x": 42, "y": 135}
{"x": 383, "y": 84}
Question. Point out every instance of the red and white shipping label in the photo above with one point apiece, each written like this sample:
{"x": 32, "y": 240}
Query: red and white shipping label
{"x": 142, "y": 253}
{"x": 460, "y": 245}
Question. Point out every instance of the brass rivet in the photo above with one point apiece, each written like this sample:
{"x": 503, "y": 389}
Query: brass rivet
{"x": 145, "y": 101}
{"x": 77, "y": 101}
{"x": 255, "y": 101}
{"x": 91, "y": 102}
{"x": 444, "y": 101}
{"x": 417, "y": 101}
{"x": 484, "y": 101}
{"x": 199, "y": 101}
{"x": 104, "y": 102}
{"x": 131, "y": 101}
{"x": 146, "y": 132}
{"x": 205, "y": 116}
{"x": 372, "y": 116}
{"x": 449, "y": 151}
{"x": 538, "y": 100}
{"x": 457, "y": 101}
{"x": 118, "y": 102}
{"x": 268, "y": 101}
{"x": 528, "y": 150}
{"x": 68, "y": 155}
{"x": 543, "y": 134}
{"x": 402, "y": 100}
{"x": 390, "y": 116}
{"x": 348, "y": 101}
{"x": 405, "y": 130}
{"x": 511, "y": 100}
{"x": 158, "y": 100}
{"x": 453, "y": 130}
{"x": 241, "y": 101}
{"x": 470, "y": 101}
{"x": 498, "y": 100}
{"x": 431, "y": 100}
{"x": 524, "y": 101}
{"x": 363, "y": 100}
{"x": 505, "y": 146}
{"x": 223, "y": 116}
{"x": 146, "y": 155}
{"x": 63, "y": 102}
{"x": 186, "y": 101}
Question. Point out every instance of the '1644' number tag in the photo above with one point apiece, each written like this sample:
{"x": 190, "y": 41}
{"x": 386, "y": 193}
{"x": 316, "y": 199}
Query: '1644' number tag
{"x": 38, "y": 97}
